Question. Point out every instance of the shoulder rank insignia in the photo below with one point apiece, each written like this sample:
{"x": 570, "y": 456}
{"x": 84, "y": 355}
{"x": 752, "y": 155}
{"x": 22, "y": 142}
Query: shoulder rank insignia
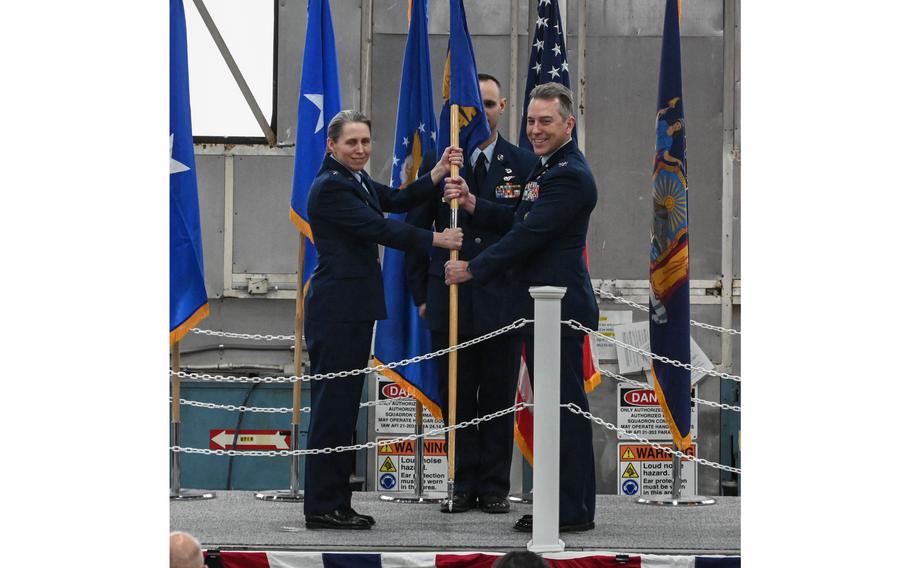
{"x": 563, "y": 164}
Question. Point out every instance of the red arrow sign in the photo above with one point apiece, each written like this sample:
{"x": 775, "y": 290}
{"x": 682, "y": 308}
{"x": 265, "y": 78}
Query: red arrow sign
{"x": 223, "y": 439}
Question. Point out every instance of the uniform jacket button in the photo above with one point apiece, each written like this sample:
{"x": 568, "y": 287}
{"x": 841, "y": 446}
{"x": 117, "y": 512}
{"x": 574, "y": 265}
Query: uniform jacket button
{"x": 477, "y": 240}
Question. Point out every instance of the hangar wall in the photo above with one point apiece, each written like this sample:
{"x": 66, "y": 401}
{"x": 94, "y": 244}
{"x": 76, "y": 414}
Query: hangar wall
{"x": 244, "y": 188}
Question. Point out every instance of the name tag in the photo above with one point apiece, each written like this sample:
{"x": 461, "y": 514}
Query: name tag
{"x": 508, "y": 191}
{"x": 532, "y": 191}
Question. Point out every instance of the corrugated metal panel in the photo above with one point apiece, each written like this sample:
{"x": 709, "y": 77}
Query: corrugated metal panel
{"x": 622, "y": 98}
{"x": 210, "y": 180}
{"x": 264, "y": 239}
{"x": 645, "y": 18}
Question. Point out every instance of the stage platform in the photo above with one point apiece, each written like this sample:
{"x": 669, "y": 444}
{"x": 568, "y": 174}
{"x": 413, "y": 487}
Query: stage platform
{"x": 236, "y": 520}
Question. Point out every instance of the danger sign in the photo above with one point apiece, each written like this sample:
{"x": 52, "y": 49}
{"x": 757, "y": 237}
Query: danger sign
{"x": 398, "y": 415}
{"x": 644, "y": 470}
{"x": 638, "y": 412}
{"x": 396, "y": 465}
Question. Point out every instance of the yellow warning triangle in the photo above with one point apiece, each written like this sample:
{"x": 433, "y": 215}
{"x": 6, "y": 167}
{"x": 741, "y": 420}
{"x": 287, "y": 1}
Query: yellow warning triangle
{"x": 630, "y": 472}
{"x": 386, "y": 449}
{"x": 628, "y": 455}
{"x": 389, "y": 467}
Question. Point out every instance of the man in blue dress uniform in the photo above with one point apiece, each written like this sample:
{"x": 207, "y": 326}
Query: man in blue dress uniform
{"x": 544, "y": 246}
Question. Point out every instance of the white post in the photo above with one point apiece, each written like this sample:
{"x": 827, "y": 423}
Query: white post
{"x": 547, "y": 312}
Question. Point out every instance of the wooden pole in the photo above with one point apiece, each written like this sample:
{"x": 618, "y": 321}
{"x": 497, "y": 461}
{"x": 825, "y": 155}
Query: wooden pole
{"x": 175, "y": 383}
{"x": 298, "y": 331}
{"x": 453, "y": 317}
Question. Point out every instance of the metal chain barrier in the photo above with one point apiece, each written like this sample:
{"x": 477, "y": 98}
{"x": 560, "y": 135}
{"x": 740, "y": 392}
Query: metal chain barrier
{"x": 621, "y": 300}
{"x": 519, "y": 323}
{"x": 642, "y": 385}
{"x": 269, "y": 410}
{"x": 572, "y": 407}
{"x": 579, "y": 327}
{"x": 232, "y": 335}
{"x": 355, "y": 447}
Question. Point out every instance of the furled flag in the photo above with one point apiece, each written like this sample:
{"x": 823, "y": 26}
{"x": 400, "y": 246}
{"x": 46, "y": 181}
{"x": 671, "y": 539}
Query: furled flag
{"x": 320, "y": 101}
{"x": 460, "y": 87}
{"x": 296, "y": 559}
{"x": 189, "y": 301}
{"x": 404, "y": 334}
{"x": 669, "y": 258}
{"x": 548, "y": 62}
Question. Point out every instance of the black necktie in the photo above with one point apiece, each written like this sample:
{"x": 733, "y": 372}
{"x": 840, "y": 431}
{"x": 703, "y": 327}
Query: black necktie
{"x": 480, "y": 170}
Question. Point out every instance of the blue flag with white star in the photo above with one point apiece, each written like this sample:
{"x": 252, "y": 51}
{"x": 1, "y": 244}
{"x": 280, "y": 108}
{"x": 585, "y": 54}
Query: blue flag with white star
{"x": 669, "y": 255}
{"x": 548, "y": 61}
{"x": 460, "y": 87}
{"x": 189, "y": 301}
{"x": 320, "y": 101}
{"x": 404, "y": 334}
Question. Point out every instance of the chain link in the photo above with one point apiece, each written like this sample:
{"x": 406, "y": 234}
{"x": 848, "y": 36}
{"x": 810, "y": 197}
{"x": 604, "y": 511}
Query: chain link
{"x": 579, "y": 327}
{"x": 621, "y": 300}
{"x": 335, "y": 375}
{"x": 572, "y": 407}
{"x": 642, "y": 385}
{"x": 255, "y": 336}
{"x": 355, "y": 447}
{"x": 269, "y": 410}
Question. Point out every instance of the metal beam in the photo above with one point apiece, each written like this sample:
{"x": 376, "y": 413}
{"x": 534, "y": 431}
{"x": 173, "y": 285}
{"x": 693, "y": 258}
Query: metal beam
{"x": 514, "y": 103}
{"x": 235, "y": 71}
{"x": 582, "y": 83}
{"x": 726, "y": 307}
{"x": 366, "y": 61}
{"x": 228, "y": 258}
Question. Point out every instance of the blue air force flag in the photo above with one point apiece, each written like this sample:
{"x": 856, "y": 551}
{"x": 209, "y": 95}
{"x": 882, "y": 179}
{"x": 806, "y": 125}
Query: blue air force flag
{"x": 403, "y": 334}
{"x": 320, "y": 101}
{"x": 189, "y": 301}
{"x": 460, "y": 87}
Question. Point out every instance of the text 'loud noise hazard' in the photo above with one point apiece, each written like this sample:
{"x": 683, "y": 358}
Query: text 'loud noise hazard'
{"x": 396, "y": 465}
{"x": 644, "y": 470}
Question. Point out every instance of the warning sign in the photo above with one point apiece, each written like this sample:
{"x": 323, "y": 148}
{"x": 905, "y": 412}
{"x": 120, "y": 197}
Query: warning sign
{"x": 398, "y": 415}
{"x": 644, "y": 470}
{"x": 638, "y": 412}
{"x": 397, "y": 465}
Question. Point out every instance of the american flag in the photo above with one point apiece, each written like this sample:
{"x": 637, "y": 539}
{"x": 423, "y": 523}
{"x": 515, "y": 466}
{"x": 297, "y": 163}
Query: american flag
{"x": 548, "y": 61}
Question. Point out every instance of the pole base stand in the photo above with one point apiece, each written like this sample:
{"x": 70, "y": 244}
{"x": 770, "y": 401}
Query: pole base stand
{"x": 191, "y": 495}
{"x": 282, "y": 495}
{"x": 429, "y": 498}
{"x": 558, "y": 546}
{"x": 669, "y": 501}
{"x": 521, "y": 498}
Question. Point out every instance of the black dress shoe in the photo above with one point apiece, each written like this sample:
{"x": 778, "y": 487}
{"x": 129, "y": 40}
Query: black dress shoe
{"x": 337, "y": 519}
{"x": 350, "y": 510}
{"x": 461, "y": 502}
{"x": 526, "y": 524}
{"x": 494, "y": 504}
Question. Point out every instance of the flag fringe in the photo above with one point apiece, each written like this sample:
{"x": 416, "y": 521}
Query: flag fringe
{"x": 592, "y": 382}
{"x": 526, "y": 450}
{"x": 681, "y": 442}
{"x": 411, "y": 390}
{"x": 302, "y": 225}
{"x": 189, "y": 323}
